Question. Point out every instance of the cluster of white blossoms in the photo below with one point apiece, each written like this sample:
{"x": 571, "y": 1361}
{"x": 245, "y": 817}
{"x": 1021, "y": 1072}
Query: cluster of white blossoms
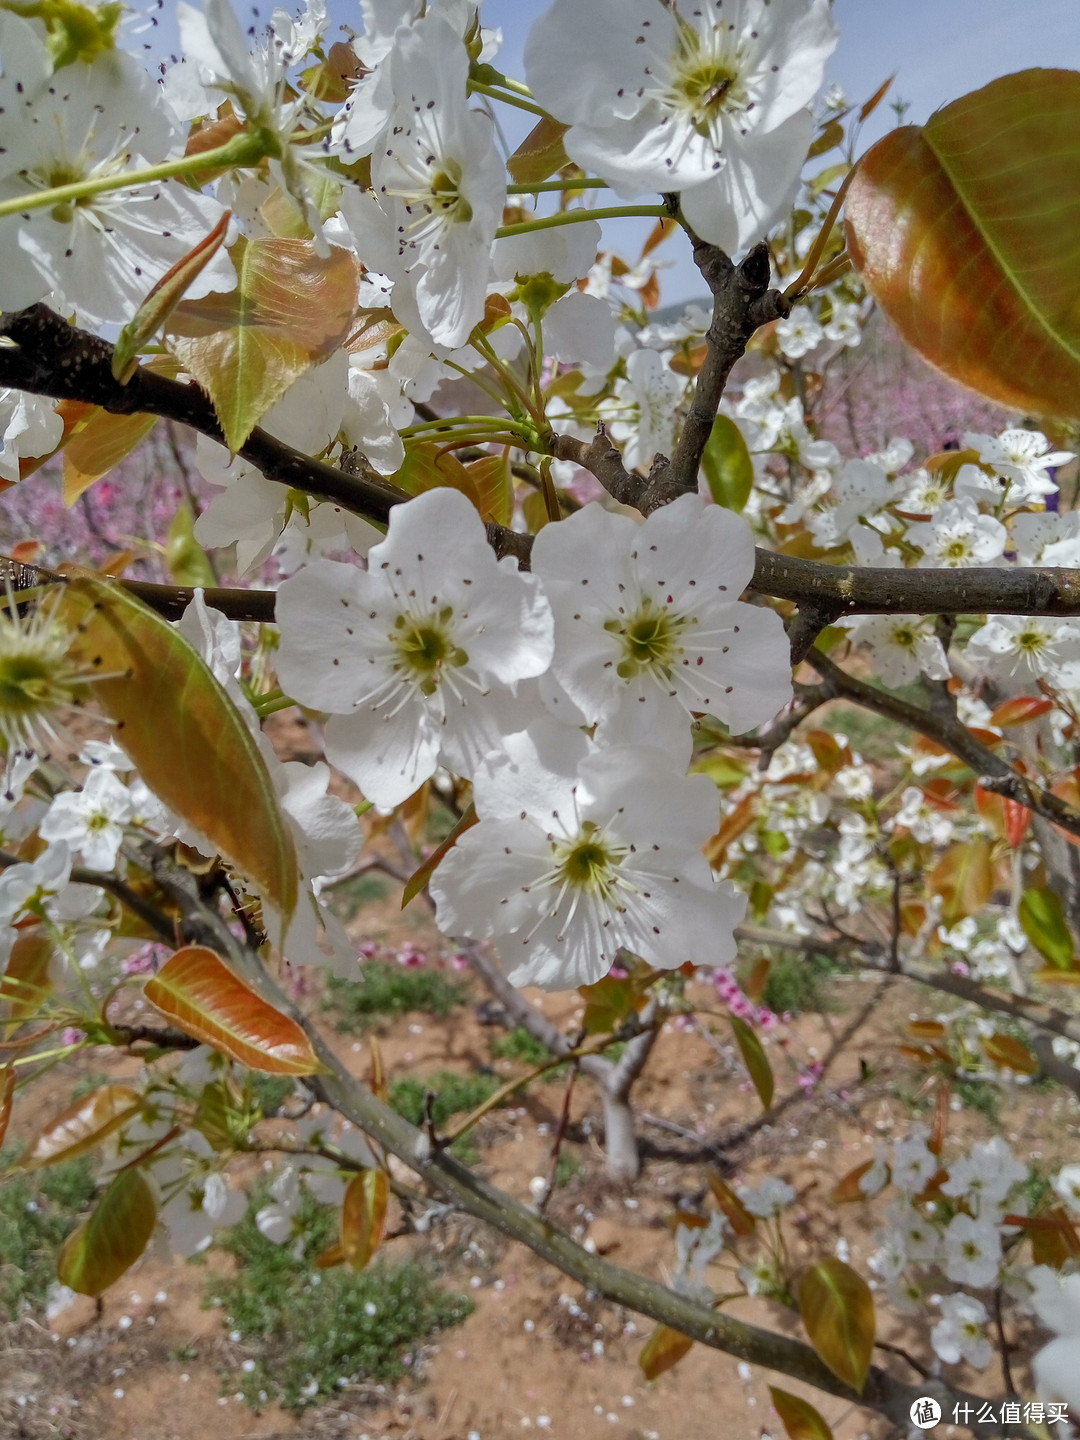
{"x": 566, "y": 697}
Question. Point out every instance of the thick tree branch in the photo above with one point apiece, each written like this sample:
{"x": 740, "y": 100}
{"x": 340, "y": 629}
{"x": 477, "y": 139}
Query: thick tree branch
{"x": 854, "y": 590}
{"x": 47, "y": 356}
{"x": 994, "y": 773}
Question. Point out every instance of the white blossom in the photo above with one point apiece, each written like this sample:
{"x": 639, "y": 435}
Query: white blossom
{"x": 972, "y": 1251}
{"x": 706, "y": 100}
{"x": 91, "y": 820}
{"x": 1021, "y": 458}
{"x": 648, "y": 622}
{"x": 959, "y": 536}
{"x": 582, "y": 851}
{"x": 417, "y": 658}
{"x": 1030, "y": 647}
{"x": 959, "y": 1333}
{"x": 903, "y": 646}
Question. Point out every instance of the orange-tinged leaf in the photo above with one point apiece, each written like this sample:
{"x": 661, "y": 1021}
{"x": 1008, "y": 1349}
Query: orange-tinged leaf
{"x": 801, "y": 1420}
{"x": 1020, "y": 710}
{"x": 380, "y": 1087}
{"x": 82, "y": 1126}
{"x": 847, "y": 1189}
{"x": 1048, "y": 976}
{"x": 755, "y": 1060}
{"x": 739, "y": 1218}
{"x": 838, "y": 1311}
{"x": 1053, "y": 1236}
{"x": 1012, "y": 1054}
{"x": 100, "y": 444}
{"x": 731, "y": 827}
{"x": 363, "y": 1216}
{"x": 658, "y": 234}
{"x": 663, "y": 1350}
{"x": 964, "y": 878}
{"x": 331, "y": 1256}
{"x": 290, "y": 310}
{"x": 26, "y": 984}
{"x": 1017, "y": 820}
{"x": 94, "y": 1256}
{"x": 163, "y": 299}
{"x": 964, "y": 233}
{"x": 7, "y": 1095}
{"x": 420, "y": 877}
{"x": 758, "y": 979}
{"x": 428, "y": 466}
{"x": 926, "y": 1029}
{"x": 875, "y": 100}
{"x": 540, "y": 154}
{"x": 200, "y": 994}
{"x": 189, "y": 741}
{"x": 495, "y": 487}
{"x": 939, "y": 1129}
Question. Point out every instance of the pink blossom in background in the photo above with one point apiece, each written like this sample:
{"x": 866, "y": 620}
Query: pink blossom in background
{"x": 882, "y": 389}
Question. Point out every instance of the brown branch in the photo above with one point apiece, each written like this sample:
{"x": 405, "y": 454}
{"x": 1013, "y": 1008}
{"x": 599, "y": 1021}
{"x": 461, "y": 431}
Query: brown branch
{"x": 47, "y": 356}
{"x": 355, "y": 1101}
{"x": 855, "y": 590}
{"x": 994, "y": 773}
{"x": 742, "y": 303}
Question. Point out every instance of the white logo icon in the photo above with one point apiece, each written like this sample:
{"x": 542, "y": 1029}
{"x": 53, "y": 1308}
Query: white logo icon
{"x": 925, "y": 1413}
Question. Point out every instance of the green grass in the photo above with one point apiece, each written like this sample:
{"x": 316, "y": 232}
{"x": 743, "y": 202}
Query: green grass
{"x": 798, "y": 984}
{"x": 518, "y": 1044}
{"x": 38, "y": 1210}
{"x": 454, "y": 1095}
{"x": 311, "y": 1329}
{"x": 387, "y": 990}
{"x": 349, "y": 898}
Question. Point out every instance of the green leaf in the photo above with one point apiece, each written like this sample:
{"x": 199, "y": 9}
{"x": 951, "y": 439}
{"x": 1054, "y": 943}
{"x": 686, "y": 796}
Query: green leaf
{"x": 188, "y": 740}
{"x": 801, "y": 1420}
{"x": 94, "y": 1256}
{"x": 200, "y": 994}
{"x": 187, "y": 560}
{"x": 609, "y": 1002}
{"x": 729, "y": 471}
{"x": 755, "y": 1060}
{"x": 1042, "y": 920}
{"x": 838, "y": 1311}
{"x": 290, "y": 310}
{"x": 965, "y": 233}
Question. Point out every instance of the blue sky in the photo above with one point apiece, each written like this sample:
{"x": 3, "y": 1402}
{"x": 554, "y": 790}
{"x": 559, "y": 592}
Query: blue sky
{"x": 938, "y": 49}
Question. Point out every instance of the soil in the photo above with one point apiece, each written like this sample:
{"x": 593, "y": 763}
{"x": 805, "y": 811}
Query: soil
{"x": 538, "y": 1354}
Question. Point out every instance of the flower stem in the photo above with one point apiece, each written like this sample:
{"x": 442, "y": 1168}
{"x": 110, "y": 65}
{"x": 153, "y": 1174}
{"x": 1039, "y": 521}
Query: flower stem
{"x": 507, "y": 97}
{"x": 245, "y": 149}
{"x": 577, "y": 217}
{"x": 583, "y": 182}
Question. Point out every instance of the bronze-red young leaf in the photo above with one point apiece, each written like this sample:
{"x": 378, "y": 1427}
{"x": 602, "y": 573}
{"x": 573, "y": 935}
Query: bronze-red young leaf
{"x": 967, "y": 233}
{"x": 201, "y": 995}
